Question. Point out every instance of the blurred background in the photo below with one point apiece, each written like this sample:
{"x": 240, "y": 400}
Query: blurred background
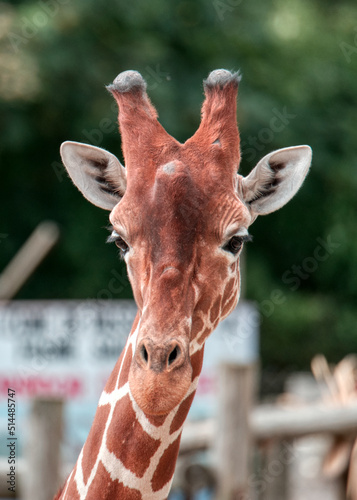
{"x": 299, "y": 86}
{"x": 299, "y": 66}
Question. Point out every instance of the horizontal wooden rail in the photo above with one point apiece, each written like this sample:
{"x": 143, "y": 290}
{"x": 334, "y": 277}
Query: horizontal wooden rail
{"x": 274, "y": 422}
{"x": 279, "y": 422}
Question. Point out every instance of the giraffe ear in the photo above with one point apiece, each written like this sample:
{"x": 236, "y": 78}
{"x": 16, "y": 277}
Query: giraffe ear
{"x": 98, "y": 174}
{"x": 275, "y": 179}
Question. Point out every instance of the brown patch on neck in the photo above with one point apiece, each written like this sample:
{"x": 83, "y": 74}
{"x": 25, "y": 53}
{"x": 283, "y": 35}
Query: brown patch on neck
{"x": 127, "y": 439}
{"x": 166, "y": 467}
{"x": 181, "y": 414}
{"x": 94, "y": 441}
{"x": 104, "y": 488}
{"x": 196, "y": 363}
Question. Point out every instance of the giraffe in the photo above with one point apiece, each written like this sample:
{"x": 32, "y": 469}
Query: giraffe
{"x": 180, "y": 215}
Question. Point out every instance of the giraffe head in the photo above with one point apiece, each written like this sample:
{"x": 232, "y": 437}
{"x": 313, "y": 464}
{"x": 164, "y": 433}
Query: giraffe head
{"x": 180, "y": 215}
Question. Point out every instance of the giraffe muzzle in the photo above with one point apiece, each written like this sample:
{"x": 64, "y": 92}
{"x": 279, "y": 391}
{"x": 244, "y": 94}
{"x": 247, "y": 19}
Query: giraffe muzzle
{"x": 160, "y": 375}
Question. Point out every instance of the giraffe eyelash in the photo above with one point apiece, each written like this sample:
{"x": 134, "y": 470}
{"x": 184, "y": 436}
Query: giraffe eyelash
{"x": 235, "y": 243}
{"x": 113, "y": 236}
{"x": 246, "y": 238}
{"x": 119, "y": 242}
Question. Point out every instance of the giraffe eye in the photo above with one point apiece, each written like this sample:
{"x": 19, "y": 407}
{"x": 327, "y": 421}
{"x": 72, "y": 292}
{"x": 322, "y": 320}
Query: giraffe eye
{"x": 235, "y": 244}
{"x": 119, "y": 242}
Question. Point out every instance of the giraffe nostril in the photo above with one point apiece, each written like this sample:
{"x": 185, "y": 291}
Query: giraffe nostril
{"x": 174, "y": 354}
{"x": 144, "y": 353}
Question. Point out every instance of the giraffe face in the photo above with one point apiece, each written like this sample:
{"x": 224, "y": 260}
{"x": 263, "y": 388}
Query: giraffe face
{"x": 180, "y": 214}
{"x": 181, "y": 236}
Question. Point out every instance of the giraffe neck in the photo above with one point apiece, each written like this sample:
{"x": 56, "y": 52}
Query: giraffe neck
{"x": 130, "y": 455}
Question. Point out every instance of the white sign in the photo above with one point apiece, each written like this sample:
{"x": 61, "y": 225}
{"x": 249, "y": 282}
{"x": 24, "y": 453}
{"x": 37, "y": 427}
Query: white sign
{"x": 61, "y": 348}
{"x": 68, "y": 348}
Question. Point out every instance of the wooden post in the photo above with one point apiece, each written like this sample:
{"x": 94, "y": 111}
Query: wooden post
{"x": 270, "y": 480}
{"x": 305, "y": 478}
{"x": 43, "y": 450}
{"x": 233, "y": 436}
{"x": 30, "y": 255}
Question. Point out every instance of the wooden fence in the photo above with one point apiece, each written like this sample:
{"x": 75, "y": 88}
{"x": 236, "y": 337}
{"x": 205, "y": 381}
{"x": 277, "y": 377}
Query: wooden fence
{"x": 239, "y": 429}
{"x": 272, "y": 428}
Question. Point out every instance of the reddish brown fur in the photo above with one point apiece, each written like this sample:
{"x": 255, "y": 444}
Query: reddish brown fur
{"x": 94, "y": 440}
{"x": 156, "y": 420}
{"x": 196, "y": 363}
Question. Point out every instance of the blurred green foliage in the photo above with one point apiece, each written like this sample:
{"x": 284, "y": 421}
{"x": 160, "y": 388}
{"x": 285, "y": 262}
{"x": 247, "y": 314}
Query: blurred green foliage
{"x": 299, "y": 65}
